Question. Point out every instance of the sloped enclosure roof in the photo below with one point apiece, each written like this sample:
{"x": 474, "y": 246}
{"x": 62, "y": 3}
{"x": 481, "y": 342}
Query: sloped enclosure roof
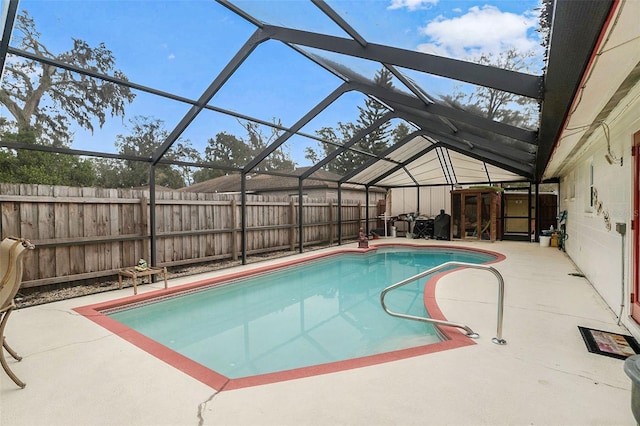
{"x": 446, "y": 145}
{"x": 269, "y": 183}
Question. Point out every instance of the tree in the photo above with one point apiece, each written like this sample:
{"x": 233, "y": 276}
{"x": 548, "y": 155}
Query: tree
{"x": 225, "y": 150}
{"x": 48, "y": 99}
{"x": 377, "y": 140}
{"x": 231, "y": 152}
{"x": 344, "y": 162}
{"x": 25, "y": 166}
{"x": 400, "y": 132}
{"x": 145, "y": 137}
{"x": 374, "y": 143}
{"x": 495, "y": 104}
{"x": 279, "y": 159}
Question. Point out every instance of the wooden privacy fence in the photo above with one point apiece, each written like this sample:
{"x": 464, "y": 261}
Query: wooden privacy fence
{"x": 89, "y": 233}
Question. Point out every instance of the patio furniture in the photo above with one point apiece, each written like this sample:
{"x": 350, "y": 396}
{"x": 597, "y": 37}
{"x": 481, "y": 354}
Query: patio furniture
{"x": 134, "y": 274}
{"x": 11, "y": 258}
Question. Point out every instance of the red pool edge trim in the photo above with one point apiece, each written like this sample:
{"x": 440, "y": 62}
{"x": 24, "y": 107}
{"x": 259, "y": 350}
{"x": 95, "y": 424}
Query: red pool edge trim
{"x": 219, "y": 382}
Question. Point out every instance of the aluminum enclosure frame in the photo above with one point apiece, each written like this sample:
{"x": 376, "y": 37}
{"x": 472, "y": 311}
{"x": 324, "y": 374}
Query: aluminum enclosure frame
{"x": 576, "y": 27}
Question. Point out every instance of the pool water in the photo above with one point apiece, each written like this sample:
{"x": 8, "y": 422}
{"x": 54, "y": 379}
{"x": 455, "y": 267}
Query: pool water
{"x": 319, "y": 312}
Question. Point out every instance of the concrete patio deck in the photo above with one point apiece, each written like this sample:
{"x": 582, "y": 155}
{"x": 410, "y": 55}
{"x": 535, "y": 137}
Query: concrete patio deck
{"x": 78, "y": 373}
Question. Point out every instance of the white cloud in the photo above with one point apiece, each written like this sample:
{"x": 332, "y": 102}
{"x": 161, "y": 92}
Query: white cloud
{"x": 412, "y": 4}
{"x": 171, "y": 56}
{"x": 485, "y": 30}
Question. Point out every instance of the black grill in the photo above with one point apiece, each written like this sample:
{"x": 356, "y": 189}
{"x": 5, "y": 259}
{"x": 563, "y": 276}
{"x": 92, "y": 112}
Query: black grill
{"x": 423, "y": 228}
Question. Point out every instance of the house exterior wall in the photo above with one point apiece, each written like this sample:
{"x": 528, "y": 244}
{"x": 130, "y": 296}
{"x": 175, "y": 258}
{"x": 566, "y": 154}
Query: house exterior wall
{"x": 432, "y": 200}
{"x": 593, "y": 244}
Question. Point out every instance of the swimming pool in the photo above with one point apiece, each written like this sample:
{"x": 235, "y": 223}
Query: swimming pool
{"x": 307, "y": 318}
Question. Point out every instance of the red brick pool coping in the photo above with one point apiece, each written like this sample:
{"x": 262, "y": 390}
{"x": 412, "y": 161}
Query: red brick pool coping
{"x": 455, "y": 338}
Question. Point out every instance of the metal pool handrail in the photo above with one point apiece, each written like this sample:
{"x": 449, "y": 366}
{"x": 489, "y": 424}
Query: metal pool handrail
{"x": 468, "y": 331}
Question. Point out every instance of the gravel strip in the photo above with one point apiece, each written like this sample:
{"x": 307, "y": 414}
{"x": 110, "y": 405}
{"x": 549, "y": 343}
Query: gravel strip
{"x": 34, "y": 298}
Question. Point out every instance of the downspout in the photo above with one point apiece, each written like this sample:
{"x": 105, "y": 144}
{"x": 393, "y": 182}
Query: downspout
{"x": 622, "y": 229}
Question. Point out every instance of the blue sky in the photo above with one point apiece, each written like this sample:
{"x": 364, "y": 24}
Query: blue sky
{"x": 180, "y": 46}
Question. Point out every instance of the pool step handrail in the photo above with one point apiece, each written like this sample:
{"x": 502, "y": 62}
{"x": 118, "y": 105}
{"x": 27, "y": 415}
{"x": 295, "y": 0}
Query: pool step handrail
{"x": 461, "y": 265}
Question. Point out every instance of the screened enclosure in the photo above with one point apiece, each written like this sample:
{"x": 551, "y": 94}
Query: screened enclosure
{"x": 182, "y": 92}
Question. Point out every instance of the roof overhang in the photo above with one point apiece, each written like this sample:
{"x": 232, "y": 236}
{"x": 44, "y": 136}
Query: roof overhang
{"x": 596, "y": 50}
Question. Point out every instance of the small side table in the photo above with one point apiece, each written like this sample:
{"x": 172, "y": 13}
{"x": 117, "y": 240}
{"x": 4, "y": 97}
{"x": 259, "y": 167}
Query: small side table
{"x": 134, "y": 274}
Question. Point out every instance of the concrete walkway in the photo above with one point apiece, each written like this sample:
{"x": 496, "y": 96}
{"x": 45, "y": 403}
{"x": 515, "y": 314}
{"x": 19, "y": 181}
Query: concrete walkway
{"x": 78, "y": 373}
